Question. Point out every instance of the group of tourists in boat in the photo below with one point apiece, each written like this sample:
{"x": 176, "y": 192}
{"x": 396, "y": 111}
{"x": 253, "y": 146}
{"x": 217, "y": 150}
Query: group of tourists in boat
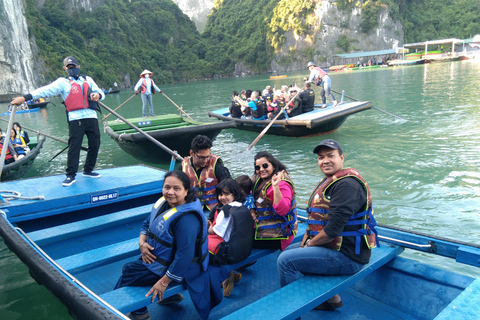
{"x": 177, "y": 242}
{"x": 18, "y": 146}
{"x": 290, "y": 100}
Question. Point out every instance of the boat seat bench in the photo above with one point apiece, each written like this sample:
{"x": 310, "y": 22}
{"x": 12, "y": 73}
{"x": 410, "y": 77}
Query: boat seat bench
{"x": 70, "y": 230}
{"x": 311, "y": 290}
{"x": 127, "y": 299}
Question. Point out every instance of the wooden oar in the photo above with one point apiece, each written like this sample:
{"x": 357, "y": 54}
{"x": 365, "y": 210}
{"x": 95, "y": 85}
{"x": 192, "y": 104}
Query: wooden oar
{"x": 117, "y": 108}
{"x": 181, "y": 109}
{"x": 47, "y": 135}
{"x": 265, "y": 129}
{"x": 6, "y": 139}
{"x": 146, "y": 135}
{"x": 372, "y": 106}
{"x": 58, "y": 154}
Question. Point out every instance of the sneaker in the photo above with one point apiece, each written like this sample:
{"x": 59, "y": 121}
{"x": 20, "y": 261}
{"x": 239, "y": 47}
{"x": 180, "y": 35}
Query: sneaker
{"x": 152, "y": 115}
{"x": 91, "y": 174}
{"x": 238, "y": 276}
{"x": 228, "y": 285}
{"x": 335, "y": 103}
{"x": 134, "y": 316}
{"x": 323, "y": 106}
{"x": 68, "y": 181}
{"x": 176, "y": 298}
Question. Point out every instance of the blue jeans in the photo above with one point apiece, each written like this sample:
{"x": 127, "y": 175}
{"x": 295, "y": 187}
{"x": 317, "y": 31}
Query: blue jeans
{"x": 326, "y": 84}
{"x": 294, "y": 261}
{"x": 147, "y": 98}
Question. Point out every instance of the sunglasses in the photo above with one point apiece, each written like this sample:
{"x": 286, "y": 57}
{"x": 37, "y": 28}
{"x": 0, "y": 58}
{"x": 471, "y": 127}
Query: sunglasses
{"x": 264, "y": 166}
{"x": 202, "y": 158}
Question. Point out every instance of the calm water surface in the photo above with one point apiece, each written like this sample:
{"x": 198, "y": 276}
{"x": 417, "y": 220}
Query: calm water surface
{"x": 423, "y": 172}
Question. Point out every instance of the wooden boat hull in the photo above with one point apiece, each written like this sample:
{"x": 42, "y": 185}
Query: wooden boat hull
{"x": 17, "y": 169}
{"x": 112, "y": 92}
{"x": 77, "y": 252}
{"x": 393, "y": 63}
{"x": 319, "y": 121}
{"x": 178, "y": 139}
{"x": 38, "y": 105}
{"x": 444, "y": 59}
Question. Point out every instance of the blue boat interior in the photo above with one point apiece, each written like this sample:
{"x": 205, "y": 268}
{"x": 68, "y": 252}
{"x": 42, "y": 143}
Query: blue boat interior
{"x": 91, "y": 230}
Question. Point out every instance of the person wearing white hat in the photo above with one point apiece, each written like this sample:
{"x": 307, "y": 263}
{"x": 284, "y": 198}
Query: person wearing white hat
{"x": 147, "y": 88}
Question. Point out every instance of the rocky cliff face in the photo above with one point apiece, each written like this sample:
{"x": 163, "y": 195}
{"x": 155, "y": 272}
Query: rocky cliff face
{"x": 196, "y": 10}
{"x": 18, "y": 65}
{"x": 331, "y": 24}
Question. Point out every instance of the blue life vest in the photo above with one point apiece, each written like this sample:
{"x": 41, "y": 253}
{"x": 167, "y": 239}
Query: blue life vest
{"x": 159, "y": 235}
{"x": 18, "y": 140}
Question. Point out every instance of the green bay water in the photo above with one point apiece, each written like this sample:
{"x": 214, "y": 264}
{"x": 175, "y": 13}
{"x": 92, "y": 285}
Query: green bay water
{"x": 423, "y": 172}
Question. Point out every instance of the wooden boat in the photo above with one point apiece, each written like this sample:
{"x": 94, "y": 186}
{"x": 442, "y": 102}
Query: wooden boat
{"x": 172, "y": 130}
{"x": 111, "y": 91}
{"x": 393, "y": 63}
{"x": 17, "y": 169}
{"x": 38, "y": 105}
{"x": 278, "y": 76}
{"x": 318, "y": 121}
{"x": 444, "y": 59}
{"x": 76, "y": 241}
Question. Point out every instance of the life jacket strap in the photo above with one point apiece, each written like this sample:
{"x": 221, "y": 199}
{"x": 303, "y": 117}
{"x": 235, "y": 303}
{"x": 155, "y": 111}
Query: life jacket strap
{"x": 151, "y": 235}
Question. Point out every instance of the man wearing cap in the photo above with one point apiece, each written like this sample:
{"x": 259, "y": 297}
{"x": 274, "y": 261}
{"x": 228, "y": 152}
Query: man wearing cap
{"x": 340, "y": 232}
{"x": 321, "y": 79}
{"x": 80, "y": 94}
{"x": 147, "y": 87}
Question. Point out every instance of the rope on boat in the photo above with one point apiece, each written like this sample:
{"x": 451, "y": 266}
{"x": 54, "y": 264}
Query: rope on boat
{"x": 17, "y": 195}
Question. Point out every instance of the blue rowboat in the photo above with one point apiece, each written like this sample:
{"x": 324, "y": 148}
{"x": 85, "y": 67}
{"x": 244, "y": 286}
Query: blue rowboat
{"x": 20, "y": 111}
{"x": 77, "y": 239}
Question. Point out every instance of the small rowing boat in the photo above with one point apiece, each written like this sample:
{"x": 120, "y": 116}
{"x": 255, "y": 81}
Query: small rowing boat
{"x": 172, "y": 130}
{"x": 17, "y": 169}
{"x": 318, "y": 121}
{"x": 278, "y": 76}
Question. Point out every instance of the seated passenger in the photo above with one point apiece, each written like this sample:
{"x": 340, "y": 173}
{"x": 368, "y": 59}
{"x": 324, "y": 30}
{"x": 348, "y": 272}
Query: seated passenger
{"x": 173, "y": 247}
{"x": 246, "y": 184}
{"x": 285, "y": 93}
{"x": 294, "y": 107}
{"x": 11, "y": 155}
{"x": 24, "y": 134}
{"x": 230, "y": 232}
{"x": 18, "y": 144}
{"x": 307, "y": 97}
{"x": 255, "y": 105}
{"x": 276, "y": 106}
{"x": 235, "y": 107}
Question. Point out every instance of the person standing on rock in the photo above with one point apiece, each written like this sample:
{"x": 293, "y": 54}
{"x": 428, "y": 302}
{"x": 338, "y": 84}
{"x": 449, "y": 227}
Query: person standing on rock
{"x": 80, "y": 94}
{"x": 147, "y": 88}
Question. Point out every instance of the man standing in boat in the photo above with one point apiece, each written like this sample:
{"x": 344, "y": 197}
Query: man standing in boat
{"x": 321, "y": 79}
{"x": 147, "y": 88}
{"x": 80, "y": 94}
{"x": 205, "y": 170}
{"x": 340, "y": 232}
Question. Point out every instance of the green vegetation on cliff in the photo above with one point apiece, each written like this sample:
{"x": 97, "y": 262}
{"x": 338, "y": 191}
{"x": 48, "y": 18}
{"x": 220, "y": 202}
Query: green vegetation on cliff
{"x": 115, "y": 42}
{"x": 120, "y": 39}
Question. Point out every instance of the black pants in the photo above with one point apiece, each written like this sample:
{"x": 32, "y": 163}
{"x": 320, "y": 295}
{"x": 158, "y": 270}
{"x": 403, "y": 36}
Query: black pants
{"x": 77, "y": 129}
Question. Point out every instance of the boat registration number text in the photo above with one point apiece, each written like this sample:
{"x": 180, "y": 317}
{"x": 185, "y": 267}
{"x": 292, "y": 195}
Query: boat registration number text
{"x": 98, "y": 198}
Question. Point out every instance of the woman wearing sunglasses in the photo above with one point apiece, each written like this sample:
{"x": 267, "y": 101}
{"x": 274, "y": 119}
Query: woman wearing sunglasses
{"x": 274, "y": 194}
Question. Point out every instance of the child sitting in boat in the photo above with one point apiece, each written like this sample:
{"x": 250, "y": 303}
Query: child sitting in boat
{"x": 246, "y": 184}
{"x": 230, "y": 230}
